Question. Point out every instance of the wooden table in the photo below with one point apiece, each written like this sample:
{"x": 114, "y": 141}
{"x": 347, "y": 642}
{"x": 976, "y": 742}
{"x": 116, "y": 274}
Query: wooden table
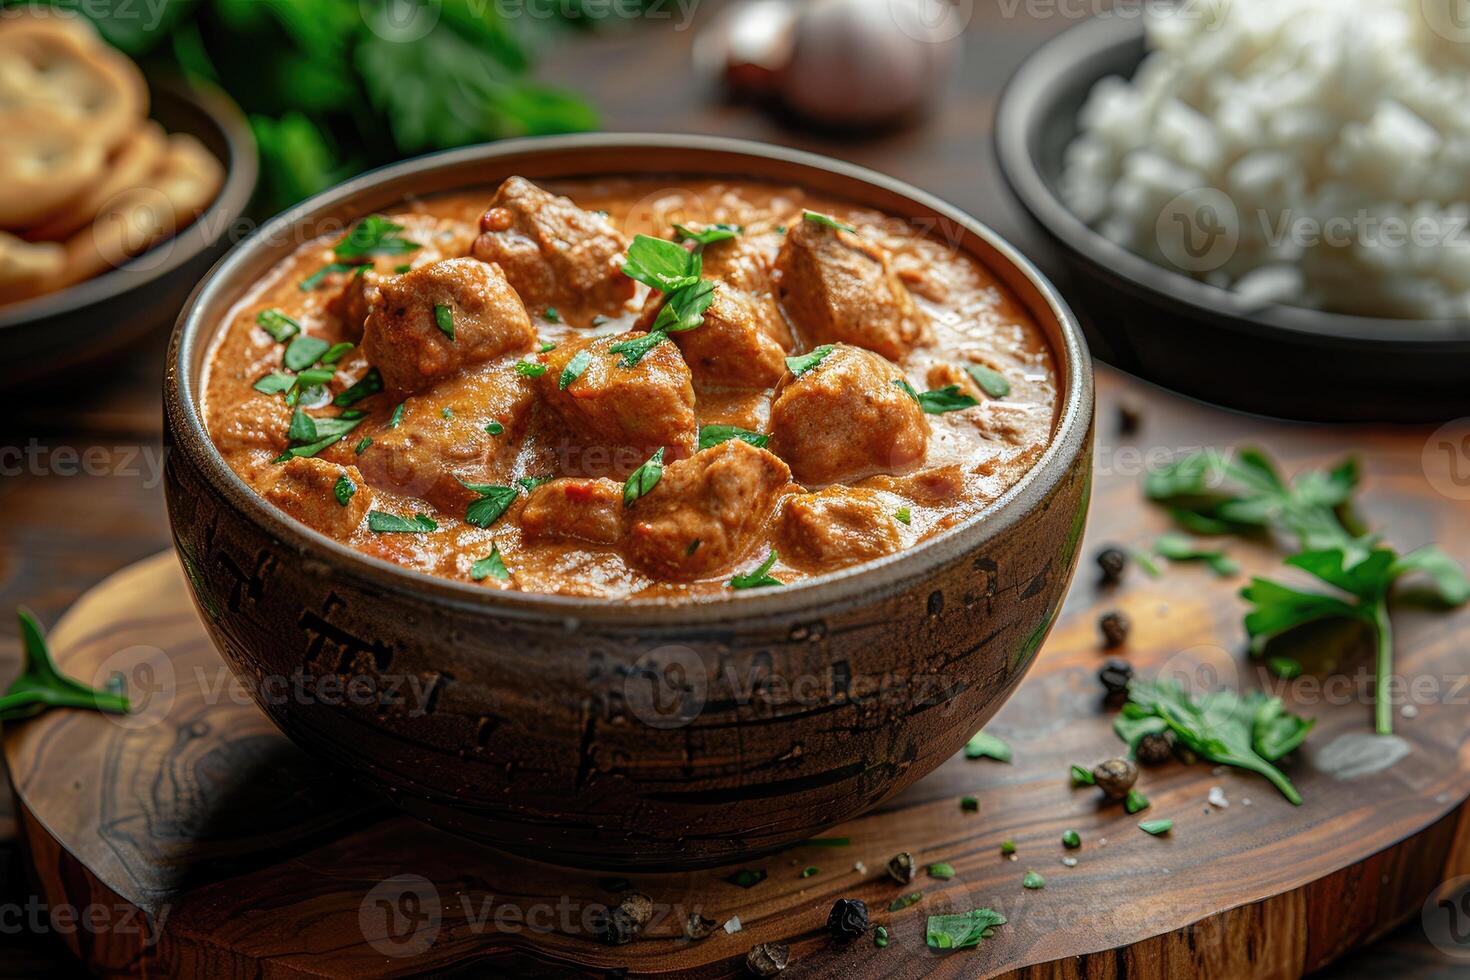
{"x": 79, "y": 470}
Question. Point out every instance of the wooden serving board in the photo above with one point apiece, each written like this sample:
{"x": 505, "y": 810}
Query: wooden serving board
{"x": 247, "y": 859}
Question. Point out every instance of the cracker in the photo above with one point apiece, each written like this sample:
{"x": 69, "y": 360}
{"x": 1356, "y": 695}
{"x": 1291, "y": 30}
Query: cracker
{"x": 45, "y": 160}
{"x": 28, "y": 268}
{"x": 134, "y": 160}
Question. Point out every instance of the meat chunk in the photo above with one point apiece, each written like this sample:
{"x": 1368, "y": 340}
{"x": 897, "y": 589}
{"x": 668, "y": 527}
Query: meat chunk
{"x": 403, "y": 336}
{"x": 618, "y": 416}
{"x": 464, "y": 430}
{"x": 570, "y": 509}
{"x": 553, "y": 252}
{"x": 835, "y": 527}
{"x": 847, "y": 418}
{"x": 350, "y": 305}
{"x": 306, "y": 488}
{"x": 837, "y": 286}
{"x": 742, "y": 342}
{"x": 705, "y": 513}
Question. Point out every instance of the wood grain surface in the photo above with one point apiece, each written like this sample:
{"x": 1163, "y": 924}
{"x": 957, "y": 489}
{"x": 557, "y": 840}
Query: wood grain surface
{"x": 79, "y": 524}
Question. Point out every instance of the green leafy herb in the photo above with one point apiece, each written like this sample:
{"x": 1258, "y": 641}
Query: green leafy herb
{"x": 275, "y": 383}
{"x": 1033, "y": 881}
{"x": 374, "y": 235}
{"x": 385, "y": 523}
{"x": 1146, "y": 562}
{"x": 41, "y": 685}
{"x": 1071, "y": 839}
{"x": 969, "y": 804}
{"x": 747, "y": 877}
{"x": 760, "y": 578}
{"x": 574, "y": 368}
{"x": 1082, "y": 776}
{"x": 685, "y": 308}
{"x": 494, "y": 501}
{"x": 491, "y": 566}
{"x": 303, "y": 352}
{"x": 992, "y": 382}
{"x": 809, "y": 872}
{"x": 1156, "y": 827}
{"x": 397, "y": 416}
{"x": 444, "y": 320}
{"x": 937, "y": 402}
{"x": 903, "y": 515}
{"x": 494, "y": 428}
{"x": 547, "y": 347}
{"x": 802, "y": 363}
{"x": 280, "y": 326}
{"x": 1285, "y": 668}
{"x": 369, "y": 384}
{"x": 1135, "y": 801}
{"x": 713, "y": 435}
{"x": 941, "y": 870}
{"x": 532, "y": 482}
{"x": 530, "y": 369}
{"x": 551, "y": 315}
{"x": 1178, "y": 547}
{"x": 661, "y": 264}
{"x": 344, "y": 489}
{"x": 315, "y": 279}
{"x": 828, "y": 220}
{"x": 1249, "y": 732}
{"x": 642, "y": 480}
{"x": 362, "y": 445}
{"x": 446, "y": 412}
{"x": 636, "y": 348}
{"x": 963, "y": 931}
{"x": 401, "y": 269}
{"x": 1008, "y": 847}
{"x": 984, "y": 746}
{"x": 709, "y": 234}
{"x": 880, "y": 937}
{"x": 337, "y": 351}
{"x": 307, "y": 436}
{"x": 904, "y": 901}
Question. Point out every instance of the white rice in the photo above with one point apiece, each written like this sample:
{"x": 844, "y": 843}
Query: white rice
{"x": 1309, "y": 152}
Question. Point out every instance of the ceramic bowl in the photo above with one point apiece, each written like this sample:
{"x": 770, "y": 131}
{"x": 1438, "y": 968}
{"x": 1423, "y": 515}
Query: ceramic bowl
{"x": 631, "y": 734}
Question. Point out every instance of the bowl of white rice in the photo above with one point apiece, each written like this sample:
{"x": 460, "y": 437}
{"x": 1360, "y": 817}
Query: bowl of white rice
{"x": 1265, "y": 203}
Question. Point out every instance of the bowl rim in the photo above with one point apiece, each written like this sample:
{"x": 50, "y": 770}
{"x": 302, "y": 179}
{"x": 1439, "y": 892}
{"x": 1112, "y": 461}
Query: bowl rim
{"x": 1071, "y": 432}
{"x": 241, "y": 170}
{"x": 1031, "y": 90}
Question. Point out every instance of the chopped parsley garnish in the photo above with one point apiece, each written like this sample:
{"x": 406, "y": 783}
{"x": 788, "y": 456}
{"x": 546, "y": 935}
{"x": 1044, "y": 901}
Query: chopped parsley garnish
{"x": 494, "y": 428}
{"x": 369, "y": 384}
{"x": 904, "y": 516}
{"x": 880, "y": 937}
{"x": 1179, "y": 547}
{"x": 637, "y": 348}
{"x": 532, "y": 482}
{"x": 280, "y": 326}
{"x": 275, "y": 383}
{"x": 1008, "y": 847}
{"x": 344, "y": 489}
{"x": 385, "y": 523}
{"x": 828, "y": 220}
{"x": 337, "y": 351}
{"x": 551, "y": 315}
{"x": 747, "y": 877}
{"x": 1082, "y": 776}
{"x": 985, "y": 746}
{"x": 962, "y": 931}
{"x": 684, "y": 309}
{"x": 491, "y": 566}
{"x": 530, "y": 369}
{"x": 969, "y": 804}
{"x": 941, "y": 400}
{"x": 992, "y": 382}
{"x": 809, "y": 872}
{"x": 644, "y": 478}
{"x": 547, "y": 347}
{"x": 761, "y": 577}
{"x": 579, "y": 363}
{"x": 308, "y": 436}
{"x": 41, "y": 684}
{"x": 802, "y": 363}
{"x": 942, "y": 870}
{"x": 494, "y": 501}
{"x": 661, "y": 264}
{"x": 1071, "y": 839}
{"x": 709, "y": 235}
{"x": 397, "y": 415}
{"x": 1135, "y": 801}
{"x": 303, "y": 352}
{"x": 444, "y": 320}
{"x": 362, "y": 445}
{"x": 446, "y": 412}
{"x": 713, "y": 435}
{"x": 1156, "y": 827}
{"x": 374, "y": 235}
{"x": 1033, "y": 881}
{"x": 401, "y": 269}
{"x": 315, "y": 279}
{"x": 904, "y": 901}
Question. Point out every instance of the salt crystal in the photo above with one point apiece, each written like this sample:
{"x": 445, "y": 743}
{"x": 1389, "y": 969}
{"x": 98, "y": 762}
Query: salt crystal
{"x": 1245, "y": 801}
{"x": 1217, "y": 797}
{"x": 1102, "y": 842}
{"x": 733, "y": 926}
{"x": 1069, "y": 862}
{"x": 1409, "y": 711}
{"x": 860, "y": 868}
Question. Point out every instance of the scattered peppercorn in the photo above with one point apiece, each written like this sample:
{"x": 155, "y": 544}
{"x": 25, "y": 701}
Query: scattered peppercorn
{"x": 901, "y": 867}
{"x": 1112, "y": 561}
{"x": 1114, "y": 627}
{"x": 848, "y": 918}
{"x": 697, "y": 926}
{"x": 1115, "y": 673}
{"x": 618, "y": 926}
{"x": 1155, "y": 748}
{"x": 1115, "y": 777}
{"x": 767, "y": 959}
{"x": 1071, "y": 839}
{"x": 1184, "y": 753}
{"x": 1130, "y": 417}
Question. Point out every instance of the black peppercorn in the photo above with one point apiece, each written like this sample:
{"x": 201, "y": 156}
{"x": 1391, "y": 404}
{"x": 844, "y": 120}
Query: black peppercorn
{"x": 1130, "y": 417}
{"x": 1115, "y": 777}
{"x": 848, "y": 918}
{"x": 1115, "y": 674}
{"x": 1114, "y": 627}
{"x": 767, "y": 959}
{"x": 901, "y": 867}
{"x": 1155, "y": 748}
{"x": 1112, "y": 561}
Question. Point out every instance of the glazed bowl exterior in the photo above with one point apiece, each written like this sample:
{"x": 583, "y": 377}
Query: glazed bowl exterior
{"x": 637, "y": 733}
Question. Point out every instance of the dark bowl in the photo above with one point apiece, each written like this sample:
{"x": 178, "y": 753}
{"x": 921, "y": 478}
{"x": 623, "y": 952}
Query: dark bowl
{"x": 1185, "y": 334}
{"x": 91, "y": 320}
{"x": 644, "y": 733}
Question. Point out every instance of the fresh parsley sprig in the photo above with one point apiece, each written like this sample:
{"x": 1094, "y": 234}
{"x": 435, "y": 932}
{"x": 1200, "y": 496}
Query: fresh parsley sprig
{"x": 941, "y": 400}
{"x": 41, "y": 685}
{"x": 674, "y": 271}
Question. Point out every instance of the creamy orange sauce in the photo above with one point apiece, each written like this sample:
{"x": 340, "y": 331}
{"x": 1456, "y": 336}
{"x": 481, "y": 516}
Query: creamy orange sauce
{"x": 974, "y": 320}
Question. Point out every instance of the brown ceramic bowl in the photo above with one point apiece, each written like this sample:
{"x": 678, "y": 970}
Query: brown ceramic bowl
{"x": 631, "y": 734}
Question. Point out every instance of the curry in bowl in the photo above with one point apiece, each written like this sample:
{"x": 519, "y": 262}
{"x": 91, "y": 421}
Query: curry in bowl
{"x": 620, "y": 387}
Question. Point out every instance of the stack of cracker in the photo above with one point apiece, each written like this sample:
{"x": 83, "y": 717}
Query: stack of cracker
{"x": 86, "y": 178}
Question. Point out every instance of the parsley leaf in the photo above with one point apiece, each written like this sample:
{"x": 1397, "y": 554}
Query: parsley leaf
{"x": 661, "y": 264}
{"x": 579, "y": 363}
{"x": 369, "y": 384}
{"x": 760, "y": 578}
{"x": 983, "y": 746}
{"x": 494, "y": 428}
{"x": 344, "y": 490}
{"x": 992, "y": 382}
{"x": 444, "y": 320}
{"x": 713, "y": 435}
{"x": 1178, "y": 547}
{"x": 828, "y": 220}
{"x": 41, "y": 685}
{"x": 939, "y": 401}
{"x": 530, "y": 369}
{"x": 385, "y": 523}
{"x": 280, "y": 326}
{"x": 644, "y": 478}
{"x": 494, "y": 501}
{"x": 709, "y": 234}
{"x": 532, "y": 482}
{"x": 303, "y": 352}
{"x": 635, "y": 349}
{"x": 904, "y": 516}
{"x": 1156, "y": 827}
{"x": 684, "y": 309}
{"x": 491, "y": 566}
{"x": 307, "y": 436}
{"x": 275, "y": 383}
{"x": 962, "y": 931}
{"x": 374, "y": 235}
{"x": 802, "y": 363}
{"x": 315, "y": 279}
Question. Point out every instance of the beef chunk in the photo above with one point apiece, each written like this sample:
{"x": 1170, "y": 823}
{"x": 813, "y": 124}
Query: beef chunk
{"x": 705, "y": 513}
{"x": 404, "y": 339}
{"x": 618, "y": 416}
{"x": 837, "y": 286}
{"x": 305, "y": 488}
{"x": 847, "y": 418}
{"x": 742, "y": 342}
{"x": 554, "y": 253}
{"x": 443, "y": 438}
{"x": 571, "y": 509}
{"x": 835, "y": 527}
